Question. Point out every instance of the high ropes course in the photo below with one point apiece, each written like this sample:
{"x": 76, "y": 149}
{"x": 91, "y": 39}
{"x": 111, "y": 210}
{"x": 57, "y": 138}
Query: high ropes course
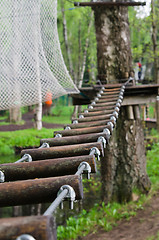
{"x": 31, "y": 64}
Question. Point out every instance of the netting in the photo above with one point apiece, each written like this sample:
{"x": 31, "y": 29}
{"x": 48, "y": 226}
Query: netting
{"x": 31, "y": 63}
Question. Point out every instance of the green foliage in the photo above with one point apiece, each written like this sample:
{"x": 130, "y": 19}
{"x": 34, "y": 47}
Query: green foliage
{"x": 22, "y": 138}
{"x": 153, "y": 163}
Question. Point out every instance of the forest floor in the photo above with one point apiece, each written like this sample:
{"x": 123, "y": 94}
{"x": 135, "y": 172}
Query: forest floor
{"x": 143, "y": 226}
{"x": 29, "y": 123}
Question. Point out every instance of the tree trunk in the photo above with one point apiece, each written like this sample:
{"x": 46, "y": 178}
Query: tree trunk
{"x": 113, "y": 43}
{"x": 124, "y": 164}
{"x": 15, "y": 115}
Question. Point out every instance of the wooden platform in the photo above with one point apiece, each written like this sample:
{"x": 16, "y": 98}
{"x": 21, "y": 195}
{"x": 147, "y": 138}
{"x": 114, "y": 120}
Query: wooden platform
{"x": 134, "y": 95}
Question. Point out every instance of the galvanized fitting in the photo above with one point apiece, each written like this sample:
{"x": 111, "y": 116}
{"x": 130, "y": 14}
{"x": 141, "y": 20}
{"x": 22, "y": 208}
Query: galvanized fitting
{"x": 25, "y": 237}
{"x": 90, "y": 107}
{"x": 81, "y": 116}
{"x": 93, "y": 103}
{"x": 96, "y": 99}
{"x": 103, "y": 88}
{"x": 118, "y": 104}
{"x": 85, "y": 111}
{"x": 44, "y": 145}
{"x": 2, "y": 177}
{"x": 115, "y": 114}
{"x": 103, "y": 140}
{"x": 117, "y": 109}
{"x": 67, "y": 128}
{"x": 26, "y": 158}
{"x": 84, "y": 167}
{"x": 113, "y": 119}
{"x": 111, "y": 124}
{"x": 69, "y": 196}
{"x": 95, "y": 151}
{"x": 58, "y": 135}
{"x": 98, "y": 95}
{"x": 121, "y": 97}
{"x": 101, "y": 91}
{"x": 119, "y": 101}
{"x": 75, "y": 121}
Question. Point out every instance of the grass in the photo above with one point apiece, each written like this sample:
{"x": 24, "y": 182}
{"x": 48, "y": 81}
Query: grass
{"x": 22, "y": 138}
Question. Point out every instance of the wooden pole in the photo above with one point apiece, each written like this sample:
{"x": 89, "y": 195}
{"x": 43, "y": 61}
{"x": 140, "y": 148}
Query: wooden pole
{"x": 37, "y": 190}
{"x": 89, "y": 124}
{"x": 39, "y": 227}
{"x": 85, "y": 138}
{"x": 46, "y": 168}
{"x": 62, "y": 151}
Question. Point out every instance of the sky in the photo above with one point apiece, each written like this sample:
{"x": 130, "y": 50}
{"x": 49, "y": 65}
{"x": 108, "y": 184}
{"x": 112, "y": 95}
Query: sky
{"x": 143, "y": 11}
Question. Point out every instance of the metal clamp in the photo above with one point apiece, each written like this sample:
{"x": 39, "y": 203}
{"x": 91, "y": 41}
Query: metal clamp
{"x": 103, "y": 88}
{"x": 98, "y": 95}
{"x": 119, "y": 101}
{"x": 123, "y": 87}
{"x": 100, "y": 92}
{"x": 2, "y": 177}
{"x": 113, "y": 118}
{"x": 69, "y": 196}
{"x": 25, "y": 237}
{"x": 95, "y": 151}
{"x": 85, "y": 111}
{"x": 117, "y": 109}
{"x": 118, "y": 104}
{"x": 103, "y": 140}
{"x": 111, "y": 124}
{"x": 93, "y": 103}
{"x": 122, "y": 90}
{"x": 96, "y": 99}
{"x": 84, "y": 167}
{"x": 75, "y": 121}
{"x": 107, "y": 131}
{"x": 81, "y": 116}
{"x": 58, "y": 135}
{"x": 67, "y": 128}
{"x": 44, "y": 145}
{"x": 90, "y": 107}
{"x": 25, "y": 158}
{"x": 115, "y": 114}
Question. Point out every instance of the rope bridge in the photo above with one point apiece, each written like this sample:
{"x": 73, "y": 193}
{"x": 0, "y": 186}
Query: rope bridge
{"x": 31, "y": 63}
{"x": 53, "y": 171}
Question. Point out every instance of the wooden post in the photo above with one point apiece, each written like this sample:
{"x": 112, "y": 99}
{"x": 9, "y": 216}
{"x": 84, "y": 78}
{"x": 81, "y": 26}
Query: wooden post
{"x": 37, "y": 190}
{"x": 136, "y": 112}
{"x": 130, "y": 113}
{"x": 40, "y": 227}
{"x": 62, "y": 151}
{"x": 46, "y": 168}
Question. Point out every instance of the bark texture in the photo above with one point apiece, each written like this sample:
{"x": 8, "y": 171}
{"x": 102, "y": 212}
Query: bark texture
{"x": 124, "y": 164}
{"x": 113, "y": 43}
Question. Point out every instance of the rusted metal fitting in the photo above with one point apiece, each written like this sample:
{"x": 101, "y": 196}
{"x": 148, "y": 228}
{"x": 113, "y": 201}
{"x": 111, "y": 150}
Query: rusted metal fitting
{"x": 103, "y": 140}
{"x": 25, "y": 237}
{"x": 58, "y": 135}
{"x": 95, "y": 151}
{"x": 67, "y": 128}
{"x": 81, "y": 116}
{"x": 26, "y": 158}
{"x": 84, "y": 167}
{"x": 90, "y": 107}
{"x": 70, "y": 195}
{"x": 2, "y": 177}
{"x": 75, "y": 122}
{"x": 44, "y": 145}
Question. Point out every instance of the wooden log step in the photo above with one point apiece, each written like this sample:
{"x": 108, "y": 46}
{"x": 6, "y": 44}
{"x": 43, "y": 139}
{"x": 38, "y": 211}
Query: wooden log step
{"x": 108, "y": 96}
{"x": 81, "y": 131}
{"x": 88, "y": 124}
{"x": 113, "y": 103}
{"x": 110, "y": 93}
{"x": 37, "y": 190}
{"x": 46, "y": 168}
{"x": 106, "y": 100}
{"x": 97, "y": 113}
{"x": 85, "y": 138}
{"x": 94, "y": 118}
{"x": 95, "y": 108}
{"x": 62, "y": 151}
{"x": 39, "y": 227}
